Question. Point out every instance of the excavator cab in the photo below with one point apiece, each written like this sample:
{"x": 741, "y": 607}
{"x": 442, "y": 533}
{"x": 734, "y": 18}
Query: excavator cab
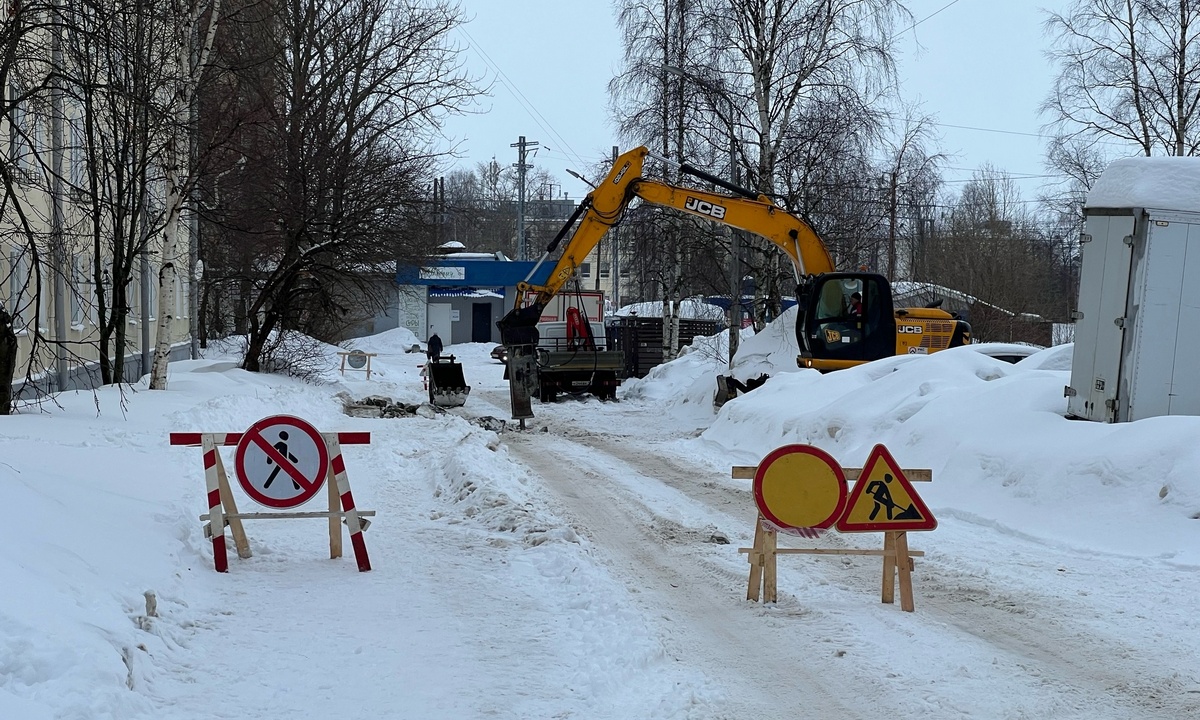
{"x": 830, "y": 329}
{"x": 832, "y": 336}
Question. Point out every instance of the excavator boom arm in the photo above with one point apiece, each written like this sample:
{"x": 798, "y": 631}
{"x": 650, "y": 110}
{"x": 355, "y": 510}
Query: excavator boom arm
{"x": 761, "y": 217}
{"x": 608, "y": 201}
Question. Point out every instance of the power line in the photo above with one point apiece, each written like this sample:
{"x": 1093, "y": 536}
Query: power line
{"x": 520, "y": 97}
{"x": 994, "y": 130}
{"x": 935, "y": 12}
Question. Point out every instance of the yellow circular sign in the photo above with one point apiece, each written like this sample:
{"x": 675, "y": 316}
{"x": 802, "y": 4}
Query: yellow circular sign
{"x": 800, "y": 487}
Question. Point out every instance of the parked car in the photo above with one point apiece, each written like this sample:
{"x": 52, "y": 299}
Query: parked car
{"x": 500, "y": 353}
{"x": 1008, "y": 352}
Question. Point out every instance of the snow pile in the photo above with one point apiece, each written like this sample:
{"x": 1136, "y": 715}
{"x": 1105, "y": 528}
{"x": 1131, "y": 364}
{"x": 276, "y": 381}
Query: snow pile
{"x": 994, "y": 433}
{"x": 689, "y": 309}
{"x": 772, "y": 351}
{"x": 492, "y": 491}
{"x": 687, "y": 385}
{"x": 395, "y": 341}
{"x": 1057, "y": 357}
{"x": 1163, "y": 183}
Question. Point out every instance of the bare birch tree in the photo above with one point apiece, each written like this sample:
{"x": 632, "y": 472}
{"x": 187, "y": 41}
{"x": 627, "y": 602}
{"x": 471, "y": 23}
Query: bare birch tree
{"x": 116, "y": 53}
{"x": 1128, "y": 73}
{"x": 192, "y": 37}
{"x": 347, "y": 100}
{"x": 784, "y": 56}
{"x": 658, "y": 97}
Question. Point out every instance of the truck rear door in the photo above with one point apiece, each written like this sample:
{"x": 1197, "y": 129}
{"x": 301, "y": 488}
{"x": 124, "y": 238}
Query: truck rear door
{"x": 1106, "y": 256}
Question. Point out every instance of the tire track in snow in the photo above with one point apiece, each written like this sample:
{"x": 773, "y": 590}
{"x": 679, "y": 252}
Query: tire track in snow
{"x": 1065, "y": 648}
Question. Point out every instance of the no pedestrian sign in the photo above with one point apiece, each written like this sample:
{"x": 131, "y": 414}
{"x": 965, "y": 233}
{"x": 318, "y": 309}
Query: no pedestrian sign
{"x": 281, "y": 461}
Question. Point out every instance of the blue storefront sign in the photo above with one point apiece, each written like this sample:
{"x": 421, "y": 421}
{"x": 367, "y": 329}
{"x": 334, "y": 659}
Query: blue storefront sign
{"x": 471, "y": 272}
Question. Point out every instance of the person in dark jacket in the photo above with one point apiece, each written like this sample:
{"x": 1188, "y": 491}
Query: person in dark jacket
{"x": 434, "y": 347}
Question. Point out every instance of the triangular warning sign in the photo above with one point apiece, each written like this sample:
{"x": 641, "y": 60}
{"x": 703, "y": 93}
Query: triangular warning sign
{"x": 884, "y": 500}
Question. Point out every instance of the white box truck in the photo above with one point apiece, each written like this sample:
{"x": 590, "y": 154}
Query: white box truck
{"x": 1137, "y": 323}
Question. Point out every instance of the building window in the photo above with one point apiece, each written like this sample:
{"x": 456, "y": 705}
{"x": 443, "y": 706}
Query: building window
{"x": 18, "y": 277}
{"x": 16, "y": 125}
{"x": 78, "y": 284}
{"x": 78, "y": 153}
{"x": 605, "y": 272}
{"x": 585, "y": 269}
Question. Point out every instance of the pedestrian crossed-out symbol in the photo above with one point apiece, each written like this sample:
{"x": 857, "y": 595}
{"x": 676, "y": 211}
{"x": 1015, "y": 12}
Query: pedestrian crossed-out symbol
{"x": 281, "y": 461}
{"x": 281, "y": 448}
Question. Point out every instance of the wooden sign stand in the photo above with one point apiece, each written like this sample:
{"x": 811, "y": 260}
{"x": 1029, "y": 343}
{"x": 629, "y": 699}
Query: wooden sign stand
{"x": 897, "y": 558}
{"x": 366, "y": 368}
{"x": 223, "y": 510}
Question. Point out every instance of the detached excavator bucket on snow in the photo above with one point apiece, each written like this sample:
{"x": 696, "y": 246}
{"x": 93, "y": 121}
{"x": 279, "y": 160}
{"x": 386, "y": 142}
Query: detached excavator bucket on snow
{"x": 447, "y": 388}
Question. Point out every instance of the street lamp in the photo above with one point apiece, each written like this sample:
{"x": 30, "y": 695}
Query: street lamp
{"x": 717, "y": 87}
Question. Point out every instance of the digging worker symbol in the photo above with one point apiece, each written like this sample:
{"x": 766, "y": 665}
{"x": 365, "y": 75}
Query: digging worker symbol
{"x": 282, "y": 448}
{"x": 878, "y": 489}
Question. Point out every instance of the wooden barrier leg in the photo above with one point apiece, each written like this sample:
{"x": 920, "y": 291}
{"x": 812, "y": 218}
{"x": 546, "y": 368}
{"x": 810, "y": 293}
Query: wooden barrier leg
{"x": 335, "y": 521}
{"x": 770, "y": 542}
{"x": 904, "y": 562}
{"x": 756, "y": 558}
{"x": 216, "y": 512}
{"x": 230, "y": 504}
{"x": 889, "y": 566}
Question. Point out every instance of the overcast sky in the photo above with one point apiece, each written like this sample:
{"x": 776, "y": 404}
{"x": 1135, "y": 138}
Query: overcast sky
{"x": 977, "y": 65}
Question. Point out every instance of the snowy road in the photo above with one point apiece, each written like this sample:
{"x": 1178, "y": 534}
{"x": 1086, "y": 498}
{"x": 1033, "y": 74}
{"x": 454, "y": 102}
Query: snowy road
{"x": 998, "y": 599}
{"x": 588, "y": 567}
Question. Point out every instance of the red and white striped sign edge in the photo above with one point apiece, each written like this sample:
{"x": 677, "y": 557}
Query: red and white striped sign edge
{"x": 308, "y": 486}
{"x": 357, "y": 541}
{"x": 193, "y": 439}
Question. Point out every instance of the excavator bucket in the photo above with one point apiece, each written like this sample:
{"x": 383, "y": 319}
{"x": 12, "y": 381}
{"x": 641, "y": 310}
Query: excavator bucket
{"x": 447, "y": 388}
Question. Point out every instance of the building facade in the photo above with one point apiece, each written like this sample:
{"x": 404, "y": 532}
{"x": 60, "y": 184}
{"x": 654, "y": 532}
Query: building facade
{"x": 461, "y": 295}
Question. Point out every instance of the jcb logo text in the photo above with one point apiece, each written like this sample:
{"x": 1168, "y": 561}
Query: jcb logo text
{"x": 704, "y": 208}
{"x": 909, "y": 329}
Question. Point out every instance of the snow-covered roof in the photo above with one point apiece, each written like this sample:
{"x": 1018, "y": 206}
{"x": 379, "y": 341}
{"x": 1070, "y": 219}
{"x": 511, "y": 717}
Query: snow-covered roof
{"x": 467, "y": 292}
{"x": 689, "y": 310}
{"x": 471, "y": 256}
{"x": 1163, "y": 183}
{"x": 907, "y": 289}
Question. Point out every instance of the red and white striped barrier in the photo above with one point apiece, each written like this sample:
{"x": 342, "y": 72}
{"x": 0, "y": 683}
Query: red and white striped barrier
{"x": 222, "y": 507}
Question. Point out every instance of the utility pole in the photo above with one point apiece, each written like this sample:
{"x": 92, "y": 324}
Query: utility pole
{"x": 439, "y": 209}
{"x": 522, "y": 146}
{"x": 735, "y": 251}
{"x": 61, "y": 310}
{"x": 193, "y": 260}
{"x": 891, "y": 275}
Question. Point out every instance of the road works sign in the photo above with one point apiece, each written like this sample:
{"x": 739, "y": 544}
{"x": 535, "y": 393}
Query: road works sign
{"x": 281, "y": 461}
{"x": 883, "y": 499}
{"x": 800, "y": 489}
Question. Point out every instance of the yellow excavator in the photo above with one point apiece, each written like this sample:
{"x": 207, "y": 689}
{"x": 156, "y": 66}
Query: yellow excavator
{"x": 845, "y": 318}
